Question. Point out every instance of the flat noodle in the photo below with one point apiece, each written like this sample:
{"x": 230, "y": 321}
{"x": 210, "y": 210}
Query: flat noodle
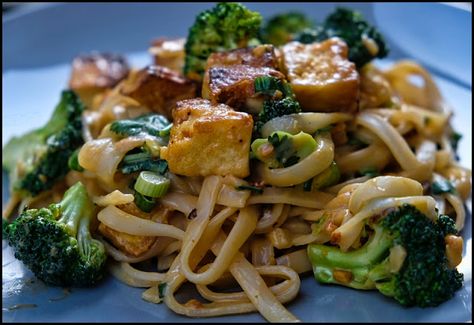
{"x": 394, "y": 141}
{"x": 273, "y": 195}
{"x": 119, "y": 220}
{"x": 427, "y": 95}
{"x": 181, "y": 202}
{"x": 245, "y": 225}
{"x": 457, "y": 204}
{"x": 159, "y": 245}
{"x": 278, "y": 290}
{"x": 270, "y": 216}
{"x": 374, "y": 156}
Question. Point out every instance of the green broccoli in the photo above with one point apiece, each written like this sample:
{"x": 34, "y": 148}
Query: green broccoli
{"x": 55, "y": 243}
{"x": 424, "y": 279}
{"x": 282, "y": 149}
{"x": 282, "y": 28}
{"x": 225, "y": 27}
{"x": 38, "y": 159}
{"x": 279, "y": 100}
{"x": 364, "y": 41}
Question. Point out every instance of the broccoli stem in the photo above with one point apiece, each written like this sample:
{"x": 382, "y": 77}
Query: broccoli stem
{"x": 327, "y": 260}
{"x": 76, "y": 207}
{"x": 85, "y": 240}
{"x": 384, "y": 280}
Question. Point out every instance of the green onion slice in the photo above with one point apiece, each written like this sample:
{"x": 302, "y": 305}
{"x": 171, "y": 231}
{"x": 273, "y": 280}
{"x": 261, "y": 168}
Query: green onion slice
{"x": 73, "y": 162}
{"x": 144, "y": 203}
{"x": 152, "y": 184}
{"x": 165, "y": 131}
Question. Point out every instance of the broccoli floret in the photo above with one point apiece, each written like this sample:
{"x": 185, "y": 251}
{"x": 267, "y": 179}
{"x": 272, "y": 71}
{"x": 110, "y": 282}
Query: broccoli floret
{"x": 279, "y": 100}
{"x": 364, "y": 41}
{"x": 447, "y": 225}
{"x": 38, "y": 159}
{"x": 55, "y": 243}
{"x": 282, "y": 28}
{"x": 424, "y": 279}
{"x": 225, "y": 27}
{"x": 276, "y": 108}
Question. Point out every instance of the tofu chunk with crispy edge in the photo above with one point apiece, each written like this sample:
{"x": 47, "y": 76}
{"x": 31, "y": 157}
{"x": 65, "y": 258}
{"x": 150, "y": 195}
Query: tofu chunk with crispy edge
{"x": 95, "y": 73}
{"x": 321, "y": 76}
{"x": 158, "y": 88}
{"x": 208, "y": 139}
{"x": 258, "y": 56}
{"x": 234, "y": 85}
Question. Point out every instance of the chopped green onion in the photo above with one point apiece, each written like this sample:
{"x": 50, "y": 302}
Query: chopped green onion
{"x": 308, "y": 185}
{"x": 161, "y": 289}
{"x": 142, "y": 161}
{"x": 287, "y": 90}
{"x": 290, "y": 161}
{"x": 152, "y": 184}
{"x": 355, "y": 141}
{"x": 454, "y": 140}
{"x": 144, "y": 203}
{"x": 166, "y": 131}
{"x": 323, "y": 130}
{"x": 133, "y": 158}
{"x": 267, "y": 85}
{"x": 370, "y": 171}
{"x": 250, "y": 188}
{"x": 73, "y": 162}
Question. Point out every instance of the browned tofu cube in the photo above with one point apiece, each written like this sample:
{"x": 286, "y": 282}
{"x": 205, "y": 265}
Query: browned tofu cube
{"x": 208, "y": 139}
{"x": 169, "y": 53}
{"x": 131, "y": 244}
{"x": 158, "y": 88}
{"x": 94, "y": 73}
{"x": 234, "y": 85}
{"x": 259, "y": 56}
{"x": 321, "y": 76}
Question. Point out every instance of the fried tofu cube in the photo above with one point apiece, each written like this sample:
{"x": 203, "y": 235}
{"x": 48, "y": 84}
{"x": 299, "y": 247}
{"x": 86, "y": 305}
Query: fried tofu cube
{"x": 95, "y": 73}
{"x": 258, "y": 56}
{"x": 130, "y": 244}
{"x": 230, "y": 75}
{"x": 208, "y": 139}
{"x": 321, "y": 76}
{"x": 158, "y": 88}
{"x": 169, "y": 53}
{"x": 234, "y": 85}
